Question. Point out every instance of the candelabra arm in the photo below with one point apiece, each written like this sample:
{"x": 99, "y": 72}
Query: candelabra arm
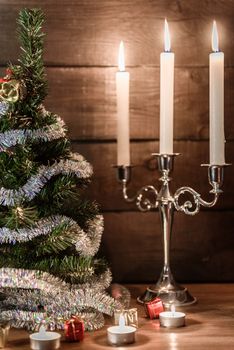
{"x": 215, "y": 175}
{"x": 143, "y": 203}
{"x": 125, "y": 193}
{"x": 146, "y": 204}
{"x": 188, "y": 207}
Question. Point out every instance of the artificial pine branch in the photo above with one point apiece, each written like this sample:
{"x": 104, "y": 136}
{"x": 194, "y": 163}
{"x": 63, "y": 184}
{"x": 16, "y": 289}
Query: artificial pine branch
{"x": 57, "y": 241}
{"x": 32, "y": 68}
{"x": 81, "y": 210}
{"x": 19, "y": 216}
{"x": 16, "y": 166}
{"x": 51, "y": 151}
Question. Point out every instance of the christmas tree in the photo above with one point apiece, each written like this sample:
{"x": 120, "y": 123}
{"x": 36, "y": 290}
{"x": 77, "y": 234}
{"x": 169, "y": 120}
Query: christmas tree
{"x": 49, "y": 234}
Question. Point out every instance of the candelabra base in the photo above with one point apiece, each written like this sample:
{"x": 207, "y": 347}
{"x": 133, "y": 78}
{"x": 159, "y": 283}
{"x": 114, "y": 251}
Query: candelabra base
{"x": 181, "y": 297}
{"x": 168, "y": 291}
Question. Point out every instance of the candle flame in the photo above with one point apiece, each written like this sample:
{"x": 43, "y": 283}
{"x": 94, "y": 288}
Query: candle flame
{"x": 167, "y": 40}
{"x": 121, "y": 321}
{"x": 215, "y": 38}
{"x": 121, "y": 61}
{"x": 173, "y": 309}
{"x": 42, "y": 330}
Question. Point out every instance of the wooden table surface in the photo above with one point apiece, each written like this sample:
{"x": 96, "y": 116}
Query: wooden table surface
{"x": 209, "y": 325}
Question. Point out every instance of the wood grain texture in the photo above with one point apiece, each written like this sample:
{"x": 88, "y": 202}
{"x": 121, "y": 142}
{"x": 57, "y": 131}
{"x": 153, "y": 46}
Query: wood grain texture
{"x": 201, "y": 246}
{"x": 187, "y": 171}
{"x": 209, "y": 325}
{"x": 86, "y": 99}
{"x": 88, "y": 32}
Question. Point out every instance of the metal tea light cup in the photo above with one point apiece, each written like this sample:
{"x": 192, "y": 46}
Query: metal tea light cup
{"x": 4, "y": 332}
{"x": 45, "y": 340}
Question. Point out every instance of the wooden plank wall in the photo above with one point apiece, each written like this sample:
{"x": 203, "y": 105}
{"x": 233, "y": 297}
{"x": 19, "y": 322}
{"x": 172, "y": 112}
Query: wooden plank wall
{"x": 81, "y": 49}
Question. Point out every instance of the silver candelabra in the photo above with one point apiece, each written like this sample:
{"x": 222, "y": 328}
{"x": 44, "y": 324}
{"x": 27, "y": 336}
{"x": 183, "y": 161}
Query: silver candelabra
{"x": 148, "y": 198}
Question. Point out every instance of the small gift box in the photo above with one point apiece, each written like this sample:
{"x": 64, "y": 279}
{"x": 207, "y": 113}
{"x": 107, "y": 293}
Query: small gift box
{"x": 153, "y": 308}
{"x": 74, "y": 329}
{"x": 4, "y": 332}
{"x": 130, "y": 317}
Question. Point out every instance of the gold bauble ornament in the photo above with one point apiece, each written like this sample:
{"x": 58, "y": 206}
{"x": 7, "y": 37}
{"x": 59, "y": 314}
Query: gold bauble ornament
{"x": 9, "y": 91}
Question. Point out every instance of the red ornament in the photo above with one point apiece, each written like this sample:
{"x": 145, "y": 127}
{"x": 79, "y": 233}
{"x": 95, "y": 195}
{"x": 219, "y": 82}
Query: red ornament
{"x": 153, "y": 308}
{"x": 74, "y": 329}
{"x": 8, "y": 72}
{"x": 7, "y": 76}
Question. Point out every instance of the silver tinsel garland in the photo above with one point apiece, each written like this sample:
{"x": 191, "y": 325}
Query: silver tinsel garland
{"x": 20, "y": 136}
{"x": 26, "y": 289}
{"x": 33, "y": 320}
{"x": 100, "y": 282}
{"x": 4, "y": 106}
{"x": 86, "y": 242}
{"x": 77, "y": 165}
{"x": 89, "y": 241}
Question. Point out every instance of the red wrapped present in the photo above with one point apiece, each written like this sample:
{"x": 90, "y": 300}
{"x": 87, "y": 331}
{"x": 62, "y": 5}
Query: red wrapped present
{"x": 153, "y": 308}
{"x": 74, "y": 329}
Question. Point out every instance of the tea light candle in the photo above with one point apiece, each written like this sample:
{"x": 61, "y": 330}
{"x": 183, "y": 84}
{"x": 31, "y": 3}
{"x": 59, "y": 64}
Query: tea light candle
{"x": 172, "y": 319}
{"x": 4, "y": 332}
{"x": 44, "y": 340}
{"x": 121, "y": 334}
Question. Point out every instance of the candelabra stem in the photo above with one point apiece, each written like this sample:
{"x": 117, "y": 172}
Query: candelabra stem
{"x": 166, "y": 215}
{"x": 166, "y": 212}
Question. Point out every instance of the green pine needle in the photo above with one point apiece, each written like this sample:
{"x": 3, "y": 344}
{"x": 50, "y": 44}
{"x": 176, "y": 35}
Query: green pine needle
{"x": 57, "y": 241}
{"x": 18, "y": 217}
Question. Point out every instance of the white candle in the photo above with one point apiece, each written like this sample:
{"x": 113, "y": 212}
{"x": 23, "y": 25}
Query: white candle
{"x": 172, "y": 319}
{"x": 44, "y": 340}
{"x": 217, "y": 139}
{"x": 122, "y": 90}
{"x": 166, "y": 95}
{"x": 121, "y": 334}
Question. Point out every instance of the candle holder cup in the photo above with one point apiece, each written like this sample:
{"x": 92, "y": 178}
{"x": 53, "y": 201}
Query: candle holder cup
{"x": 166, "y": 287}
